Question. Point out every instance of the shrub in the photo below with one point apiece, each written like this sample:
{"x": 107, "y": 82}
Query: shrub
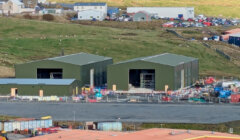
{"x": 48, "y": 17}
{"x": 71, "y": 15}
{"x": 27, "y": 16}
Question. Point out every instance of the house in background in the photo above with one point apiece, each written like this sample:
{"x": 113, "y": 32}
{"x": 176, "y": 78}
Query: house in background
{"x": 51, "y": 11}
{"x": 42, "y": 1}
{"x": 12, "y": 7}
{"x": 91, "y": 15}
{"x": 1, "y": 6}
{"x": 30, "y": 3}
{"x": 142, "y": 16}
{"x": 165, "y": 12}
{"x": 15, "y": 7}
{"x": 101, "y": 7}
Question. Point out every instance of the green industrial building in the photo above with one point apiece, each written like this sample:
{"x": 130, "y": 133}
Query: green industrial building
{"x": 153, "y": 72}
{"x": 85, "y": 68}
{"x": 35, "y": 87}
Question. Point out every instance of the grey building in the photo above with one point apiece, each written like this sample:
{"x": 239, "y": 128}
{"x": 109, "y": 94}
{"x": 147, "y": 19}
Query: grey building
{"x": 153, "y": 72}
{"x": 141, "y": 16}
{"x": 165, "y": 12}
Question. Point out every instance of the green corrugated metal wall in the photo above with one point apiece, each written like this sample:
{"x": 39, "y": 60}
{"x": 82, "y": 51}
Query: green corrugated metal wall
{"x": 190, "y": 73}
{"x": 118, "y": 74}
{"x": 100, "y": 72}
{"x": 29, "y": 70}
{"x": 81, "y": 73}
{"x": 33, "y": 90}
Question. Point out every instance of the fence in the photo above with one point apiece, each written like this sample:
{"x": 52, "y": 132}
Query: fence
{"x": 175, "y": 33}
{"x": 223, "y": 54}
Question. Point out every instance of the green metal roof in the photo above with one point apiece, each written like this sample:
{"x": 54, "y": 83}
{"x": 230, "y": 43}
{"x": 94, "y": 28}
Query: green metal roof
{"x": 164, "y": 59}
{"x": 80, "y": 58}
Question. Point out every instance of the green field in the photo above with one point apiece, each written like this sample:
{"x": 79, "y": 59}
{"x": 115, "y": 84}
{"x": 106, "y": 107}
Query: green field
{"x": 27, "y": 40}
{"x": 5, "y": 118}
{"x": 226, "y": 8}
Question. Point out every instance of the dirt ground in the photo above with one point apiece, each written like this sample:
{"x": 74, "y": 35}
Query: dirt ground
{"x": 6, "y": 72}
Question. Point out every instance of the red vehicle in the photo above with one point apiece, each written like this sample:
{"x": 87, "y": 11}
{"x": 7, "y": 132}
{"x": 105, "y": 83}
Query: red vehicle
{"x": 207, "y": 23}
{"x": 209, "y": 80}
{"x": 200, "y": 20}
{"x": 50, "y": 130}
{"x": 190, "y": 20}
{"x": 168, "y": 24}
{"x": 92, "y": 100}
{"x": 166, "y": 99}
{"x": 235, "y": 98}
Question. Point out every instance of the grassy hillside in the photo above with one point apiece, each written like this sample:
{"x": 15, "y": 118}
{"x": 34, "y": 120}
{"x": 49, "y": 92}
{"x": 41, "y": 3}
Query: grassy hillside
{"x": 26, "y": 40}
{"x": 226, "y": 8}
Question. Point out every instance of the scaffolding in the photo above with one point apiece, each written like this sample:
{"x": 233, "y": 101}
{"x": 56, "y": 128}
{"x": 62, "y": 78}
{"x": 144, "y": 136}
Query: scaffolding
{"x": 147, "y": 80}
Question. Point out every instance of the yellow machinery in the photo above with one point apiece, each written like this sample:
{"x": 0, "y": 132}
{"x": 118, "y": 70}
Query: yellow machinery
{"x": 46, "y": 117}
{"x": 86, "y": 89}
{"x": 3, "y": 135}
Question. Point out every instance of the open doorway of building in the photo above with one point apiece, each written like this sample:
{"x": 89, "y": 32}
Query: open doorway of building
{"x": 142, "y": 78}
{"x": 14, "y": 92}
{"x": 40, "y": 93}
{"x": 49, "y": 73}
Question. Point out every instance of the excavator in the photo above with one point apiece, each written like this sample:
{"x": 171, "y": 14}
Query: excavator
{"x": 3, "y": 135}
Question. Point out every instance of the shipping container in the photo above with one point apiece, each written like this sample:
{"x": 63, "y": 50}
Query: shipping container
{"x": 16, "y": 125}
{"x": 26, "y": 124}
{"x": 46, "y": 124}
{"x": 38, "y": 123}
{"x": 22, "y": 126}
{"x": 50, "y": 123}
{"x": 34, "y": 124}
{"x": 42, "y": 124}
{"x": 109, "y": 126}
{"x": 8, "y": 126}
{"x": 30, "y": 124}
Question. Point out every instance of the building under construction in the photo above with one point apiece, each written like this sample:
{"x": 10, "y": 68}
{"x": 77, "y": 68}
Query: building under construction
{"x": 153, "y": 72}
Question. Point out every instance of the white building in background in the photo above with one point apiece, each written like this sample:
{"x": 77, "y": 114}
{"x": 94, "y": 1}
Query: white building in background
{"x": 15, "y": 7}
{"x": 42, "y": 1}
{"x": 101, "y": 7}
{"x": 1, "y": 6}
{"x": 91, "y": 15}
{"x": 165, "y": 12}
{"x": 12, "y": 7}
{"x": 51, "y": 11}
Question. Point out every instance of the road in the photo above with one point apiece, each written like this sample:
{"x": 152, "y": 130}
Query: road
{"x": 162, "y": 113}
